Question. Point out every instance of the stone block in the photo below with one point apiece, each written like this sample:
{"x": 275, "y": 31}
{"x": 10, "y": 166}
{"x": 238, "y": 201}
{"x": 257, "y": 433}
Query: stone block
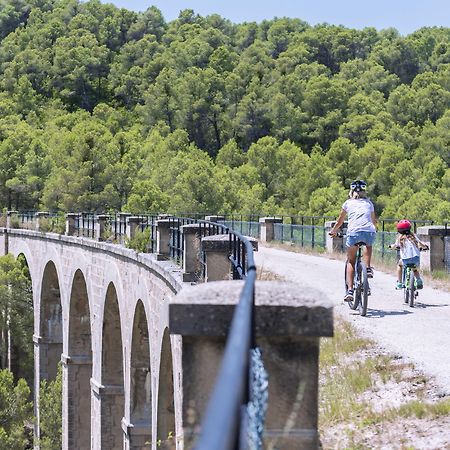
{"x": 289, "y": 320}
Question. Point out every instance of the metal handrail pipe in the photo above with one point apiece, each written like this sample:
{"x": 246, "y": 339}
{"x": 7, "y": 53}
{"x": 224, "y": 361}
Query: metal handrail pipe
{"x": 230, "y": 391}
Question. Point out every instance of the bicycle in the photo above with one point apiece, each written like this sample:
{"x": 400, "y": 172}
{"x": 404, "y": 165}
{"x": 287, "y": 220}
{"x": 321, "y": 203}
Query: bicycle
{"x": 361, "y": 286}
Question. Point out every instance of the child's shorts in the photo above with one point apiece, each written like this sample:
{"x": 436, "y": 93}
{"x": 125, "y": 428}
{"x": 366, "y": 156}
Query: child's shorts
{"x": 360, "y": 236}
{"x": 412, "y": 261}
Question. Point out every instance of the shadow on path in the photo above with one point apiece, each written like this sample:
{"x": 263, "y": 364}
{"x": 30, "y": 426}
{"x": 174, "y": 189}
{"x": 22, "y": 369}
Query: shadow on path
{"x": 418, "y": 304}
{"x": 379, "y": 313}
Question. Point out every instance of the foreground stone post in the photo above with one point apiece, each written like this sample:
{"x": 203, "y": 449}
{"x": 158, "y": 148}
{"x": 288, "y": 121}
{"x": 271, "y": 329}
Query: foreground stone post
{"x": 162, "y": 239}
{"x": 11, "y": 216}
{"x": 434, "y": 237}
{"x": 99, "y": 227}
{"x": 289, "y": 321}
{"x": 133, "y": 223}
{"x": 191, "y": 252}
{"x": 334, "y": 244}
{"x": 70, "y": 224}
{"x": 268, "y": 228}
{"x": 39, "y": 216}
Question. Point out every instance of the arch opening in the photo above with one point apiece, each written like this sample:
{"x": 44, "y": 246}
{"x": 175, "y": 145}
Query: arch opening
{"x": 51, "y": 331}
{"x": 112, "y": 391}
{"x": 140, "y": 382}
{"x": 79, "y": 367}
{"x": 166, "y": 408}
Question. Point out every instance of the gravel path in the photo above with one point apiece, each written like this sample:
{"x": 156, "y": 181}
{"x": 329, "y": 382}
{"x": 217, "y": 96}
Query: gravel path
{"x": 420, "y": 334}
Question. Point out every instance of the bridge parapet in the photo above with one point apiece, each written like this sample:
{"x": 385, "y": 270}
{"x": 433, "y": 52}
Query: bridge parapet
{"x": 289, "y": 320}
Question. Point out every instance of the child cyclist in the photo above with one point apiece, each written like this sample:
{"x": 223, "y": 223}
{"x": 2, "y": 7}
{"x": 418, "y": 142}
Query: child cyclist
{"x": 409, "y": 245}
{"x": 361, "y": 228}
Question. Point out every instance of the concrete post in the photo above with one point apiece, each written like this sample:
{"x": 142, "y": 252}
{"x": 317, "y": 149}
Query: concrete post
{"x": 11, "y": 216}
{"x": 289, "y": 321}
{"x": 39, "y": 216}
{"x": 99, "y": 227}
{"x": 268, "y": 228}
{"x": 191, "y": 252}
{"x": 433, "y": 236}
{"x": 334, "y": 244}
{"x": 162, "y": 239}
{"x": 133, "y": 223}
{"x": 217, "y": 251}
{"x": 215, "y": 218}
{"x": 70, "y": 224}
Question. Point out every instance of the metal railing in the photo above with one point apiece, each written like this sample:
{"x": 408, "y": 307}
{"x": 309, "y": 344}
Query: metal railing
{"x": 226, "y": 410}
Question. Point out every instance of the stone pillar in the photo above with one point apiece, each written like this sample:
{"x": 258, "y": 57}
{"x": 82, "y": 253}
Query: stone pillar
{"x": 268, "y": 228}
{"x": 11, "y": 216}
{"x": 99, "y": 227}
{"x": 217, "y": 251}
{"x": 133, "y": 223}
{"x": 76, "y": 399}
{"x": 162, "y": 239}
{"x": 215, "y": 218}
{"x": 335, "y": 244}
{"x": 39, "y": 216}
{"x": 70, "y": 224}
{"x": 289, "y": 321}
{"x": 192, "y": 251}
{"x": 433, "y": 236}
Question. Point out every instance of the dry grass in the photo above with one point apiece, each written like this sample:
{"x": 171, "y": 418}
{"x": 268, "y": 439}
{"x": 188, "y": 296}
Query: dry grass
{"x": 365, "y": 391}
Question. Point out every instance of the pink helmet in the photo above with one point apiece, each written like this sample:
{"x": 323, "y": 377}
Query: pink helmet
{"x": 404, "y": 226}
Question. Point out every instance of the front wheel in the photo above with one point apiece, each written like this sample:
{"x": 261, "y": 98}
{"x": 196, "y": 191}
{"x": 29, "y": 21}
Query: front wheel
{"x": 411, "y": 288}
{"x": 364, "y": 288}
{"x": 353, "y": 304}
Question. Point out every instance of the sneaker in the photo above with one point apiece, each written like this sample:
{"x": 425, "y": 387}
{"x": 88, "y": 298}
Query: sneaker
{"x": 349, "y": 296}
{"x": 370, "y": 272}
{"x": 419, "y": 283}
{"x": 399, "y": 285}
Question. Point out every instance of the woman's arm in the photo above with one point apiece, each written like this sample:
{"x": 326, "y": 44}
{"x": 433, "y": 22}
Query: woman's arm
{"x": 338, "y": 223}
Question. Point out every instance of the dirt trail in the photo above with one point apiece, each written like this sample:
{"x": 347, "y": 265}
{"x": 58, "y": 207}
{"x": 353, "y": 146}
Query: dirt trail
{"x": 420, "y": 335}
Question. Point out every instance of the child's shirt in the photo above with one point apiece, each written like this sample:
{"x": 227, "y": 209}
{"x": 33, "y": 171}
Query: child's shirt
{"x": 359, "y": 212}
{"x": 408, "y": 246}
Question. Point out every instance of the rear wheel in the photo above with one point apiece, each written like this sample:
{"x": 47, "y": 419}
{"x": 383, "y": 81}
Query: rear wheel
{"x": 364, "y": 289}
{"x": 406, "y": 286}
{"x": 411, "y": 288}
{"x": 353, "y": 304}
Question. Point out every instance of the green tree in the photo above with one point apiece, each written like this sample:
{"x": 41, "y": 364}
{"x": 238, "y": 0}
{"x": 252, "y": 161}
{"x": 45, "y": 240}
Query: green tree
{"x": 15, "y": 412}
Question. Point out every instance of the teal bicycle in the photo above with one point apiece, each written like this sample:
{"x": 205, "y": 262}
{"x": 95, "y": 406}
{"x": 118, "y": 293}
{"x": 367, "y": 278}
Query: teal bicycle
{"x": 409, "y": 282}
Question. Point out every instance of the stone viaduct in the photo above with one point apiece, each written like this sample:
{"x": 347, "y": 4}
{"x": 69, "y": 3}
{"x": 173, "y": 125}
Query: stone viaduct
{"x": 132, "y": 375}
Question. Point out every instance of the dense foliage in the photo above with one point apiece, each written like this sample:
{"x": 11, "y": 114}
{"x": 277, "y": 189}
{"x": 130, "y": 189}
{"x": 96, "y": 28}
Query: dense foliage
{"x": 16, "y": 318}
{"x": 15, "y": 412}
{"x": 103, "y": 108}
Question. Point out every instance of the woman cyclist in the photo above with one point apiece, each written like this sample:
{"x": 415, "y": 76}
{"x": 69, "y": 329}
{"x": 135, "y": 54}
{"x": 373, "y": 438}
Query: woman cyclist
{"x": 361, "y": 228}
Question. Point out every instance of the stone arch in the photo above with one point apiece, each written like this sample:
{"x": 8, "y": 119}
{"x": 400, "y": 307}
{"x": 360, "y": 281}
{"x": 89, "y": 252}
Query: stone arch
{"x": 112, "y": 389}
{"x": 140, "y": 381}
{"x": 79, "y": 366}
{"x": 166, "y": 407}
{"x": 51, "y": 326}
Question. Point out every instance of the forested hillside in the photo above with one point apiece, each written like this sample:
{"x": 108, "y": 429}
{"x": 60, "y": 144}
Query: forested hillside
{"x": 103, "y": 108}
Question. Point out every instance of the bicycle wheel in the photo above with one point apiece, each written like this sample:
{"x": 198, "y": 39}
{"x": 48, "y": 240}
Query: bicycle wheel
{"x": 364, "y": 288}
{"x": 353, "y": 304}
{"x": 411, "y": 288}
{"x": 406, "y": 286}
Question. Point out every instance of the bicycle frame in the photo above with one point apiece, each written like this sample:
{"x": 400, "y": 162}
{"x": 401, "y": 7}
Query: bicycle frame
{"x": 360, "y": 283}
